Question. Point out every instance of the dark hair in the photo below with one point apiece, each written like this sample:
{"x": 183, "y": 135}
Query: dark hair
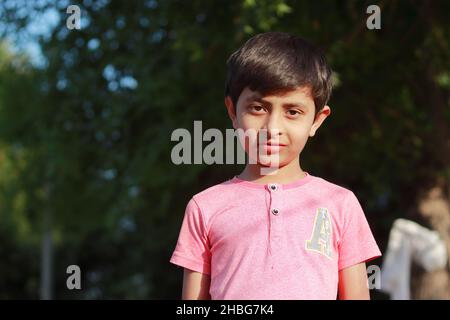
{"x": 274, "y": 62}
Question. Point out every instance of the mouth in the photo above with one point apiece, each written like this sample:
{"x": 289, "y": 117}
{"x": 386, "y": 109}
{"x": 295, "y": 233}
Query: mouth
{"x": 270, "y": 148}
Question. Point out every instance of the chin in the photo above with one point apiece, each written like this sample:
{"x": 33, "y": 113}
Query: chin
{"x": 271, "y": 162}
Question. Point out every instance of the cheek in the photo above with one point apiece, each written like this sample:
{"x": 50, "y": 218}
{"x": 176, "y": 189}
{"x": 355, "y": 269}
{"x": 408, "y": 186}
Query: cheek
{"x": 246, "y": 122}
{"x": 298, "y": 137}
{"x": 298, "y": 130}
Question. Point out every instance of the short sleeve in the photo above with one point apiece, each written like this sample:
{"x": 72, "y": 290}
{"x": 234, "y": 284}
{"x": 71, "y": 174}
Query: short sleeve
{"x": 192, "y": 249}
{"x": 357, "y": 243}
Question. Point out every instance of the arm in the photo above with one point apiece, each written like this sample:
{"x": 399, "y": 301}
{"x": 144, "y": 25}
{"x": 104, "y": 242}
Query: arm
{"x": 195, "y": 285}
{"x": 353, "y": 283}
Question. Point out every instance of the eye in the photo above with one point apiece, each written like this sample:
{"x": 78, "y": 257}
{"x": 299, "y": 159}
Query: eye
{"x": 257, "y": 109}
{"x": 293, "y": 113}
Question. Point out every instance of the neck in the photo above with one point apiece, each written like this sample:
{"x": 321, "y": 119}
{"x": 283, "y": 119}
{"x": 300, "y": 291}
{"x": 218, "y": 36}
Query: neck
{"x": 286, "y": 174}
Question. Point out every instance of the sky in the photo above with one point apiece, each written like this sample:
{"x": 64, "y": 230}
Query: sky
{"x": 27, "y": 41}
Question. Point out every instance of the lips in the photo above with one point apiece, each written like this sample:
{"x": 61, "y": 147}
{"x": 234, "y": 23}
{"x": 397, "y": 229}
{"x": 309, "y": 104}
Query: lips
{"x": 271, "y": 143}
{"x": 270, "y": 147}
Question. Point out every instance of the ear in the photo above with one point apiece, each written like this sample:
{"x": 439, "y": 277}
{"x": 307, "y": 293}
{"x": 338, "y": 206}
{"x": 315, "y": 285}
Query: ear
{"x": 231, "y": 110}
{"x": 320, "y": 117}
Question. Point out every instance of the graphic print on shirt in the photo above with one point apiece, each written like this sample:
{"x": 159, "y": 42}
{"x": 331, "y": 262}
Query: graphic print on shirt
{"x": 321, "y": 236}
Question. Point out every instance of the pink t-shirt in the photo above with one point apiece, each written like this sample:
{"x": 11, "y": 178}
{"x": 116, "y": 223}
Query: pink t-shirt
{"x": 274, "y": 241}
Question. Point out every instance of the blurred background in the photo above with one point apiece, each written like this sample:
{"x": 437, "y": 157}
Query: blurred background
{"x": 86, "y": 117}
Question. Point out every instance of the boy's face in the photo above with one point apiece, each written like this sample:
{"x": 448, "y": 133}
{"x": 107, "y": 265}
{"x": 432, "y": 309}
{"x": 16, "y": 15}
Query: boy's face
{"x": 288, "y": 117}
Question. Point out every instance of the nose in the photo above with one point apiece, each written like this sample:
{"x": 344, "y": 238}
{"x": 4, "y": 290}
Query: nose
{"x": 273, "y": 126}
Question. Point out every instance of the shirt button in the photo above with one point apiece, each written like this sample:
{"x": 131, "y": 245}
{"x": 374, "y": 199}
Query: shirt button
{"x": 275, "y": 212}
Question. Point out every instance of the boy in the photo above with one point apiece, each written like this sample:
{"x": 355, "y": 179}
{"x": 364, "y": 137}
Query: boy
{"x": 287, "y": 234}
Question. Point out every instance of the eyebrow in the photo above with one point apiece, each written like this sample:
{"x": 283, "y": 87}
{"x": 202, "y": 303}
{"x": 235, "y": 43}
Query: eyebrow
{"x": 285, "y": 105}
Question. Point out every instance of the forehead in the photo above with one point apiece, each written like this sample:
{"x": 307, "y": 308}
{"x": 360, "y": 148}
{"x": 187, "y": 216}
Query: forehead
{"x": 301, "y": 95}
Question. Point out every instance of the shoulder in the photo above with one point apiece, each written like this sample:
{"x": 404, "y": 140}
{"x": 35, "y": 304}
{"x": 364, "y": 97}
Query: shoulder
{"x": 215, "y": 192}
{"x": 337, "y": 198}
{"x": 216, "y": 198}
{"x": 345, "y": 207}
{"x": 326, "y": 188}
